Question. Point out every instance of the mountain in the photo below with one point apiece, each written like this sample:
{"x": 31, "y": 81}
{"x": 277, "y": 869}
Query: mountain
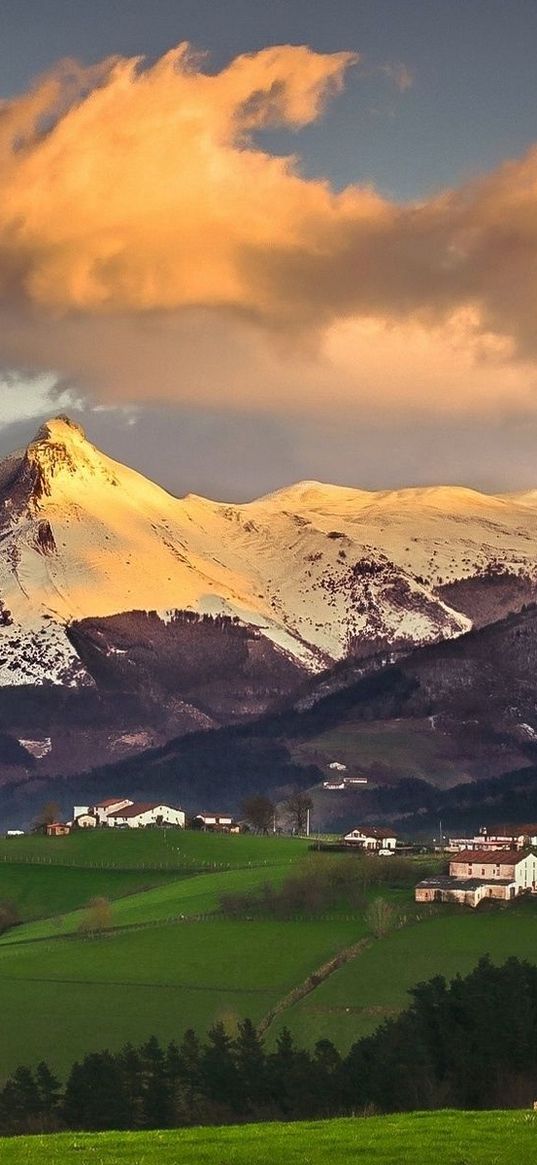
{"x": 129, "y": 616}
{"x": 450, "y": 730}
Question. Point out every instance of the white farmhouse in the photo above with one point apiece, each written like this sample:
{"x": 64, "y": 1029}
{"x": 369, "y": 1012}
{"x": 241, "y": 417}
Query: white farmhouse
{"x": 215, "y": 823}
{"x": 478, "y": 874}
{"x": 372, "y": 838}
{"x": 100, "y": 812}
{"x": 139, "y": 814}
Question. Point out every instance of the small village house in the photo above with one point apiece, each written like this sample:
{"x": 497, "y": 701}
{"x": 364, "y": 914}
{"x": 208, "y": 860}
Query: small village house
{"x": 372, "y": 838}
{"x": 122, "y": 812}
{"x": 140, "y": 815}
{"x": 215, "y": 823}
{"x": 478, "y": 874}
{"x": 100, "y": 812}
{"x": 57, "y": 829}
{"x": 505, "y": 837}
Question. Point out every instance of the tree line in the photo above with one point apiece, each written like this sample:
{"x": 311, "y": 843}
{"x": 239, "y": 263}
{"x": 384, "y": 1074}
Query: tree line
{"x": 471, "y": 1043}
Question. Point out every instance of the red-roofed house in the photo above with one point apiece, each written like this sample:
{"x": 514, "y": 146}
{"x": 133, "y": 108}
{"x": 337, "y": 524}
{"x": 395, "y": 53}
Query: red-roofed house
{"x": 138, "y": 814}
{"x": 372, "y": 838}
{"x": 476, "y": 874}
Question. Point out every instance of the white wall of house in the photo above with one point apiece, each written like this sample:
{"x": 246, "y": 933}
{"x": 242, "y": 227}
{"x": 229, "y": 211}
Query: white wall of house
{"x": 86, "y": 821}
{"x": 368, "y": 841}
{"x": 523, "y": 871}
{"x": 105, "y": 813}
{"x": 158, "y": 815}
{"x": 465, "y": 896}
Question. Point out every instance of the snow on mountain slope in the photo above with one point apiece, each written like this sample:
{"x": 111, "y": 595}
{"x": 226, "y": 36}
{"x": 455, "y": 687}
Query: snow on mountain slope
{"x": 321, "y": 570}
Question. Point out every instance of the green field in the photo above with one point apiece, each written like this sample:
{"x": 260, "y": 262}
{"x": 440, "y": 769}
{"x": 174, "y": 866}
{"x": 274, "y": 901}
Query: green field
{"x": 168, "y": 960}
{"x": 375, "y": 985}
{"x": 49, "y": 890}
{"x": 388, "y": 747}
{"x": 156, "y": 980}
{"x": 152, "y": 849}
{"x": 171, "y": 898}
{"x": 441, "y": 1138}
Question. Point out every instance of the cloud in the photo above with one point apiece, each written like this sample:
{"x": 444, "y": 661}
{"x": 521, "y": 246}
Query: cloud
{"x": 399, "y": 74}
{"x": 150, "y": 248}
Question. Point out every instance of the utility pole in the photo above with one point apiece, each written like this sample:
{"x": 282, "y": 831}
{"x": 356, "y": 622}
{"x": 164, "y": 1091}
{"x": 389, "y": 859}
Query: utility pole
{"x": 307, "y": 822}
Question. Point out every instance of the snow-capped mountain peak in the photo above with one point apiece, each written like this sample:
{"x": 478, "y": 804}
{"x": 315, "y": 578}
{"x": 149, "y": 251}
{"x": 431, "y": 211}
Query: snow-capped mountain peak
{"x": 320, "y": 570}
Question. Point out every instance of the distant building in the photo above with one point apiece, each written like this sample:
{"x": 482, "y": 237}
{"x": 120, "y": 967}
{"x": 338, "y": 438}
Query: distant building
{"x": 57, "y": 829}
{"x": 139, "y": 815}
{"x": 85, "y": 820}
{"x": 371, "y": 838}
{"x": 102, "y": 810}
{"x": 478, "y": 874}
{"x": 344, "y": 782}
{"x": 121, "y": 811}
{"x": 338, "y": 766}
{"x": 215, "y": 823}
{"x": 508, "y": 837}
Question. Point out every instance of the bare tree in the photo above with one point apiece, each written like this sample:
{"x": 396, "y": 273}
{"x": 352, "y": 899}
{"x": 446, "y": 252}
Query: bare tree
{"x": 259, "y": 812}
{"x": 98, "y": 916}
{"x": 47, "y": 814}
{"x": 380, "y": 917}
{"x": 296, "y": 810}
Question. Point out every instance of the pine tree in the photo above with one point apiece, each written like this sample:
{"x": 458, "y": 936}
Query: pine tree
{"x": 21, "y": 1107}
{"x": 49, "y": 1089}
{"x": 219, "y": 1071}
{"x": 190, "y": 1092}
{"x": 95, "y": 1094}
{"x": 251, "y": 1066}
{"x": 157, "y": 1092}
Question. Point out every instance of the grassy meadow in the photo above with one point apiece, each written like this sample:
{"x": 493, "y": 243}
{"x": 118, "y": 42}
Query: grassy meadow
{"x": 440, "y": 1138}
{"x": 167, "y": 959}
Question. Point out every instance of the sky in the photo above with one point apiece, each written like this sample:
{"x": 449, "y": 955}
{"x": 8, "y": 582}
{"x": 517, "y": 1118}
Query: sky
{"x": 250, "y": 244}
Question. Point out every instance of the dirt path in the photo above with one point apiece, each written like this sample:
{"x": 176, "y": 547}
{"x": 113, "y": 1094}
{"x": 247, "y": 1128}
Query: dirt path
{"x": 312, "y": 982}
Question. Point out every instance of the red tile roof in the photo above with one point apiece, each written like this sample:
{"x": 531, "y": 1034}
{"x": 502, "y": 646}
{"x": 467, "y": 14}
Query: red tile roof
{"x": 141, "y": 807}
{"x": 503, "y": 857}
{"x": 372, "y": 831}
{"x": 110, "y": 801}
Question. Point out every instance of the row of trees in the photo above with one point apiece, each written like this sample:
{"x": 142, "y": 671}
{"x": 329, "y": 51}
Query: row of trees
{"x": 468, "y": 1044}
{"x": 261, "y": 813}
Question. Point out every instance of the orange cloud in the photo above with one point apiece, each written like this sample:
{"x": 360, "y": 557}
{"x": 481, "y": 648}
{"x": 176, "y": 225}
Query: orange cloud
{"x": 150, "y": 247}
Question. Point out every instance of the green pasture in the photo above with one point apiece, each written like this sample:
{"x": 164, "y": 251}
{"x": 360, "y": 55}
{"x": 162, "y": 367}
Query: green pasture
{"x": 383, "y": 746}
{"x": 156, "y": 980}
{"x": 196, "y": 894}
{"x": 51, "y": 890}
{"x": 439, "y": 1138}
{"x": 183, "y": 850}
{"x": 374, "y": 986}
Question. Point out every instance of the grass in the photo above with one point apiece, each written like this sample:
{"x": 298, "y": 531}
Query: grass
{"x": 167, "y": 964}
{"x": 158, "y": 849}
{"x": 197, "y": 894}
{"x": 375, "y": 985}
{"x": 384, "y": 746}
{"x": 440, "y": 1138}
{"x": 51, "y": 890}
{"x": 159, "y": 980}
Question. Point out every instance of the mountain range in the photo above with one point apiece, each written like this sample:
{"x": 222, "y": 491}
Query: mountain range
{"x": 129, "y": 617}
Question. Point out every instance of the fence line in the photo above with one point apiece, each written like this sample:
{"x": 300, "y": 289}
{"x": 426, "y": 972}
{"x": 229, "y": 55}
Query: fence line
{"x": 199, "y": 867}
